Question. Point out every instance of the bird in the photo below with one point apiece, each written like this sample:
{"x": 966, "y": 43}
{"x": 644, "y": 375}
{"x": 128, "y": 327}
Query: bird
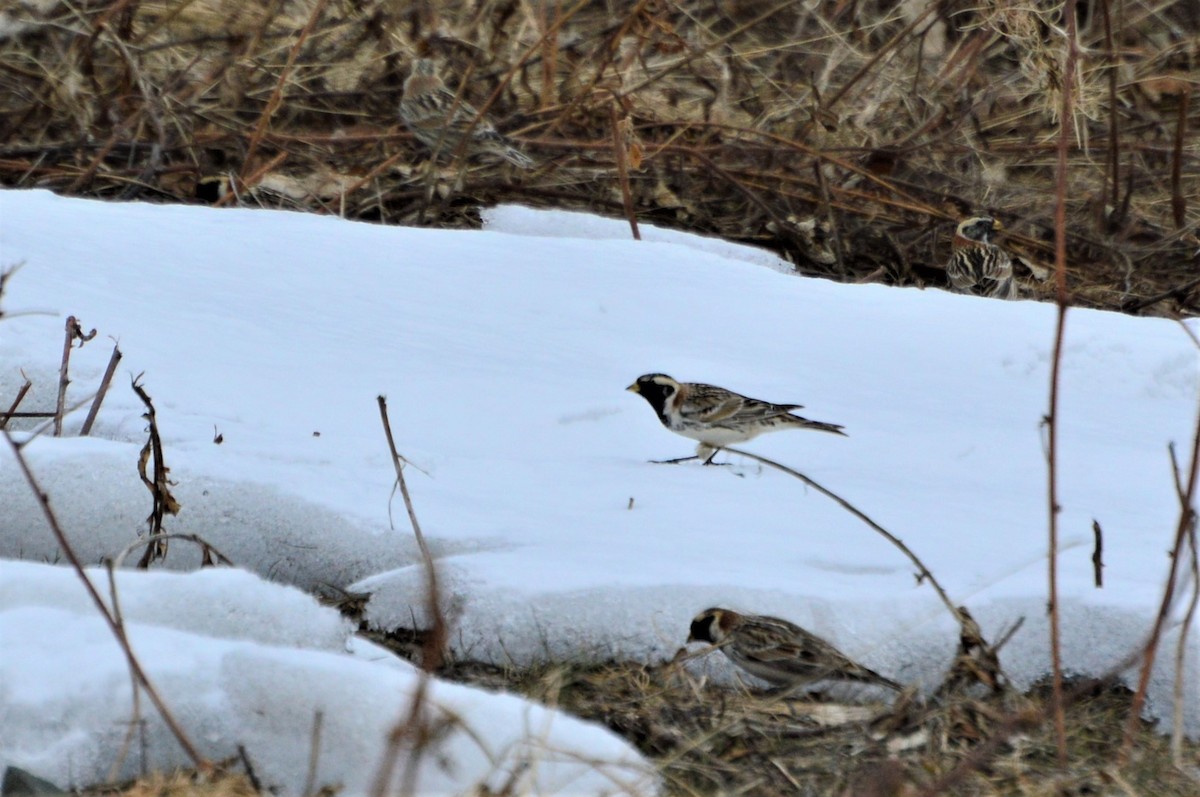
{"x": 717, "y": 417}
{"x": 977, "y": 265}
{"x": 440, "y": 119}
{"x": 781, "y": 653}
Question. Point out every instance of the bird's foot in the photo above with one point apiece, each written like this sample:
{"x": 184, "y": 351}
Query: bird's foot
{"x": 714, "y": 453}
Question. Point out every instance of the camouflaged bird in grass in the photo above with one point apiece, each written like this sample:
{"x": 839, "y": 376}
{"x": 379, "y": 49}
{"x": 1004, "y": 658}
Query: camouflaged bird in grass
{"x": 781, "y": 653}
{"x": 977, "y": 265}
{"x": 442, "y": 120}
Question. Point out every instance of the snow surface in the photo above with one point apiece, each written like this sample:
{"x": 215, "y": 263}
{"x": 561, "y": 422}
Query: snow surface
{"x": 241, "y": 661}
{"x": 504, "y": 354}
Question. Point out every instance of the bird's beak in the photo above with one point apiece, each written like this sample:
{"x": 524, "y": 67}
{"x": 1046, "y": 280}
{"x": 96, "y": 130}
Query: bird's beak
{"x": 634, "y": 387}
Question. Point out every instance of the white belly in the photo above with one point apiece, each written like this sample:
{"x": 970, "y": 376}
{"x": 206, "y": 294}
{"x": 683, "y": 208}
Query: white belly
{"x": 716, "y": 435}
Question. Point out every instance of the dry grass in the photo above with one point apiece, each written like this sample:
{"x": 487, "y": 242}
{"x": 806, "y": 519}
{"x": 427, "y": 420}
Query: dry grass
{"x": 846, "y": 136}
{"x": 710, "y": 740}
{"x": 183, "y": 784}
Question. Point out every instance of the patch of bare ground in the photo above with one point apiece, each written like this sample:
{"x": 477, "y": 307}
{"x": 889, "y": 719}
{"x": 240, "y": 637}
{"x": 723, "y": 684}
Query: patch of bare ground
{"x": 847, "y": 137}
{"x": 223, "y": 782}
{"x": 708, "y": 739}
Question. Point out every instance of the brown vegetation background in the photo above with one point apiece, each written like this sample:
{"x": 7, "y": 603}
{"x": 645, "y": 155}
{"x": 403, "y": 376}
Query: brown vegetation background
{"x": 847, "y": 136}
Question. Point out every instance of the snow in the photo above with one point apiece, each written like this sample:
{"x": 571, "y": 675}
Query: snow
{"x": 243, "y": 661}
{"x": 504, "y": 353}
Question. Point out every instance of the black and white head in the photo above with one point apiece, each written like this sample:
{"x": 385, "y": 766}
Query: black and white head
{"x": 712, "y": 626}
{"x": 657, "y": 389}
{"x": 978, "y": 229}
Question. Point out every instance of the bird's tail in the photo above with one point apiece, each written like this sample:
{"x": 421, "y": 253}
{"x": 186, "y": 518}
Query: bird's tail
{"x": 871, "y": 677}
{"x": 820, "y": 426}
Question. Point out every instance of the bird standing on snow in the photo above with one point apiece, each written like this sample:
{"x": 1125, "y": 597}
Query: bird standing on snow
{"x": 717, "y": 417}
{"x": 783, "y": 654}
{"x": 441, "y": 120}
{"x": 977, "y": 265}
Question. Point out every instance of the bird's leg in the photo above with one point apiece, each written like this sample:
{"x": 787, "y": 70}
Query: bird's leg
{"x": 709, "y": 461}
{"x": 460, "y": 179}
{"x": 429, "y": 177}
{"x": 675, "y": 461}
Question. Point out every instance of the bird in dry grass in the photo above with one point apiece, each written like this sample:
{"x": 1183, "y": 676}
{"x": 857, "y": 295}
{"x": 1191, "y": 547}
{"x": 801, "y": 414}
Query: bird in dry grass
{"x": 441, "y": 120}
{"x": 977, "y": 265}
{"x": 717, "y": 417}
{"x": 779, "y": 652}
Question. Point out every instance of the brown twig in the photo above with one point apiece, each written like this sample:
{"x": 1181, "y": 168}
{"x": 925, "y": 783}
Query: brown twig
{"x": 160, "y": 486}
{"x": 276, "y": 98}
{"x": 923, "y": 572}
{"x": 12, "y": 409}
{"x": 1183, "y": 530}
{"x": 134, "y": 665}
{"x": 1178, "y": 292}
{"x": 86, "y": 429}
{"x": 427, "y": 557}
{"x": 74, "y": 332}
{"x": 413, "y": 726}
{"x": 1177, "y": 734}
{"x": 1066, "y": 117}
{"x": 236, "y": 187}
{"x": 1114, "y": 127}
{"x": 1178, "y": 200}
{"x": 49, "y": 423}
{"x": 621, "y": 129}
{"x": 135, "y": 722}
{"x": 248, "y": 766}
{"x": 207, "y": 550}
{"x": 1097, "y": 554}
{"x": 549, "y": 50}
{"x": 1189, "y": 615}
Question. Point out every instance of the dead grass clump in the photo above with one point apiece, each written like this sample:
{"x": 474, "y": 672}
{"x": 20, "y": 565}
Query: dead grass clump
{"x": 183, "y": 784}
{"x": 711, "y": 740}
{"x": 846, "y": 137}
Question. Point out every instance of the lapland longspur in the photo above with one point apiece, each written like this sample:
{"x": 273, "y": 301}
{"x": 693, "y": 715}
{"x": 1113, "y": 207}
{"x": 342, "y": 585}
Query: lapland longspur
{"x": 440, "y": 119}
{"x": 779, "y": 652}
{"x": 977, "y": 265}
{"x": 717, "y": 417}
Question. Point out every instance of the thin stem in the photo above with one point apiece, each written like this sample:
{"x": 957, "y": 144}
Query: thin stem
{"x": 923, "y": 572}
{"x": 1187, "y": 519}
{"x": 1066, "y": 117}
{"x": 134, "y": 665}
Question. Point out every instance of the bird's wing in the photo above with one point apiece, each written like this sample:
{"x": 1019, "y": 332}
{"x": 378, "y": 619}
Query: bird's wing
{"x": 772, "y": 639}
{"x": 779, "y": 652}
{"x": 709, "y": 403}
{"x": 754, "y": 409}
{"x": 995, "y": 264}
{"x": 963, "y": 268}
{"x": 978, "y": 263}
{"x": 712, "y": 404}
